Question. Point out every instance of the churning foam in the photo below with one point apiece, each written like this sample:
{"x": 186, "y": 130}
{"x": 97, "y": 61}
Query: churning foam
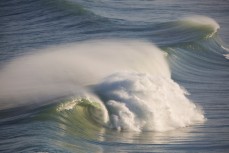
{"x": 143, "y": 102}
{"x": 132, "y": 79}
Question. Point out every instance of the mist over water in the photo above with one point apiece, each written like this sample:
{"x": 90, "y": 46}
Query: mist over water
{"x": 59, "y": 71}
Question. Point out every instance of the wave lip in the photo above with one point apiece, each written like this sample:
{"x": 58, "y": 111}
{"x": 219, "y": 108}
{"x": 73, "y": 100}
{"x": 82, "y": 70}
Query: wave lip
{"x": 203, "y": 22}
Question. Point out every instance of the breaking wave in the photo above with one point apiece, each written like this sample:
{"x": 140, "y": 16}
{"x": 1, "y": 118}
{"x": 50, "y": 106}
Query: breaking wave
{"x": 126, "y": 85}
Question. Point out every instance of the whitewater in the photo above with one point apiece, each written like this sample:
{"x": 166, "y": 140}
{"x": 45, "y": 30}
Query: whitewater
{"x": 136, "y": 83}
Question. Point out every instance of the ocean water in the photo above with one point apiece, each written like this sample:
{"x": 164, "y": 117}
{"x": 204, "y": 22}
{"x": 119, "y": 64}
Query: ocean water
{"x": 114, "y": 76}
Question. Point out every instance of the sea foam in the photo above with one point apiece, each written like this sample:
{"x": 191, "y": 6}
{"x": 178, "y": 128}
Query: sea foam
{"x": 142, "y": 102}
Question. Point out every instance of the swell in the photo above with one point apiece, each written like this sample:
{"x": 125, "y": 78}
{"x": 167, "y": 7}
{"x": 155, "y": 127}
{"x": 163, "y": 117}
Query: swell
{"x": 68, "y": 21}
{"x": 201, "y": 66}
{"x": 206, "y": 56}
{"x": 36, "y": 24}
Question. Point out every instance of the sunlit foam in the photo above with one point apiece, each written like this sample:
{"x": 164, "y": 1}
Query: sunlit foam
{"x": 142, "y": 102}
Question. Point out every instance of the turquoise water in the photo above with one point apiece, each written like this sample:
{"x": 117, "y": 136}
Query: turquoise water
{"x": 114, "y": 76}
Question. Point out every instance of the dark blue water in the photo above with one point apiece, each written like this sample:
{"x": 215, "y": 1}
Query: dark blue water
{"x": 114, "y": 76}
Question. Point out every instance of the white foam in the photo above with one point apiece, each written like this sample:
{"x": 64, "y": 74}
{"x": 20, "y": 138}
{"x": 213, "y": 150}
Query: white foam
{"x": 66, "y": 106}
{"x": 226, "y": 56}
{"x": 227, "y": 49}
{"x": 142, "y": 102}
{"x": 90, "y": 102}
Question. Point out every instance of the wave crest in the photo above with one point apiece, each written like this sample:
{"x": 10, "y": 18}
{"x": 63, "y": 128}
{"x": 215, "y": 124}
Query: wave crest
{"x": 130, "y": 81}
{"x": 204, "y": 23}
